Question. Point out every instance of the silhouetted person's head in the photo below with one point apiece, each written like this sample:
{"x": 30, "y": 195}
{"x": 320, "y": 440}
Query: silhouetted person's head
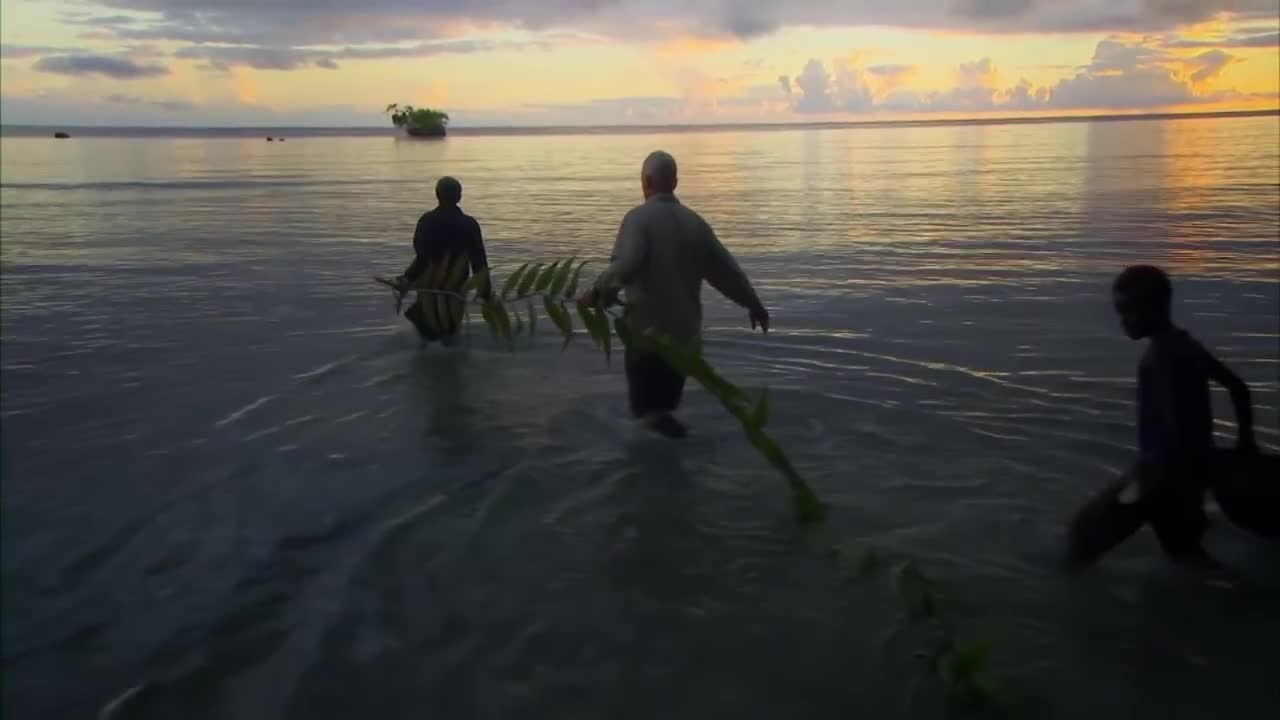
{"x": 658, "y": 174}
{"x": 448, "y": 192}
{"x": 1142, "y": 296}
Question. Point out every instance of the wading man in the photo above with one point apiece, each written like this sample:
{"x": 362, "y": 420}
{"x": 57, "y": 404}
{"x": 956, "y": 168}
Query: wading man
{"x": 663, "y": 253}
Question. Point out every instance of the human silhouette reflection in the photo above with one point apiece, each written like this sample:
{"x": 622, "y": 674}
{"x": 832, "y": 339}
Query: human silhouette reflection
{"x": 440, "y": 379}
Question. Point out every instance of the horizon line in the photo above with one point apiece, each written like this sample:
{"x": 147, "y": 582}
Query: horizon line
{"x": 721, "y": 126}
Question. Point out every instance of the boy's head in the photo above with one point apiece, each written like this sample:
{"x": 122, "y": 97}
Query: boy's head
{"x": 1142, "y": 295}
{"x": 448, "y": 191}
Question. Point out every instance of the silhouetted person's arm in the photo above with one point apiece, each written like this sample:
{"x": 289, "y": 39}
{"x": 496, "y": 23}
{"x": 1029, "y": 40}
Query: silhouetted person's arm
{"x": 420, "y": 245}
{"x": 479, "y": 260}
{"x": 723, "y": 273}
{"x": 1239, "y": 399}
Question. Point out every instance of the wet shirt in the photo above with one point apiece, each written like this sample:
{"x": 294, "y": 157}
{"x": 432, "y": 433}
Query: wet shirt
{"x": 446, "y": 232}
{"x": 663, "y": 252}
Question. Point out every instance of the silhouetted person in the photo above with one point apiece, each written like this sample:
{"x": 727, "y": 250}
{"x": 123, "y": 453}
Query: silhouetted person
{"x": 445, "y": 232}
{"x": 1166, "y": 487}
{"x": 663, "y": 252}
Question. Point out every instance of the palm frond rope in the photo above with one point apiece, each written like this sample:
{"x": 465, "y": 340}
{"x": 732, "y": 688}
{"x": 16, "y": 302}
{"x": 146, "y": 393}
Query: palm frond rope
{"x": 969, "y": 684}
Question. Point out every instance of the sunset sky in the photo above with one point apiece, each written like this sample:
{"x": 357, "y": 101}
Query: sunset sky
{"x": 586, "y": 62}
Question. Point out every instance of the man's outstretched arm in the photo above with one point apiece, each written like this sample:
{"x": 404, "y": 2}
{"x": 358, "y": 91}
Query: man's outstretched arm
{"x": 724, "y": 274}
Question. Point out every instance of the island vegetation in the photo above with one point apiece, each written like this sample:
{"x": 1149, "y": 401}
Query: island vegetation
{"x": 419, "y": 122}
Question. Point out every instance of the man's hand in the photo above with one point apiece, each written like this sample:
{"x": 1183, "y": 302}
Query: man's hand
{"x": 760, "y": 317}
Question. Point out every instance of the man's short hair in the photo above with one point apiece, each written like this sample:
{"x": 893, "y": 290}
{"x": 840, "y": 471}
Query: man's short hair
{"x": 1147, "y": 284}
{"x": 448, "y": 191}
{"x": 660, "y": 169}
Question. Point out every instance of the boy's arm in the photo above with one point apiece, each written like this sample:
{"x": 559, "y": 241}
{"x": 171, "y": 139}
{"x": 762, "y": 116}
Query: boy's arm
{"x": 1239, "y": 399}
{"x": 478, "y": 258}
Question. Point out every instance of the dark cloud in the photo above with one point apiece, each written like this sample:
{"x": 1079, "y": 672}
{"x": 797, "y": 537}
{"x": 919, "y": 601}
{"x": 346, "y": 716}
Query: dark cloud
{"x": 259, "y": 58}
{"x": 1260, "y": 40}
{"x": 292, "y": 23}
{"x": 100, "y": 20}
{"x": 224, "y": 57}
{"x": 106, "y": 65}
{"x": 9, "y": 51}
{"x": 1209, "y": 65}
{"x": 985, "y": 9}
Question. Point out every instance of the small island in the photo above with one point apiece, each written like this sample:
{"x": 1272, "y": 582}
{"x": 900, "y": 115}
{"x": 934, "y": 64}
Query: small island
{"x": 419, "y": 122}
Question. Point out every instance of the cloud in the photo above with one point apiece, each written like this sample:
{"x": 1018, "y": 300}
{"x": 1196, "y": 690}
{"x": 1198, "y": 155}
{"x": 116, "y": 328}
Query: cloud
{"x": 99, "y": 20}
{"x": 894, "y": 71}
{"x": 847, "y": 87}
{"x": 294, "y": 23}
{"x": 135, "y": 101}
{"x": 1258, "y": 40}
{"x": 1122, "y": 75}
{"x": 813, "y": 89}
{"x": 654, "y": 110}
{"x": 1208, "y": 65}
{"x": 113, "y": 67}
{"x": 224, "y": 57}
{"x": 1128, "y": 74}
{"x": 127, "y": 110}
{"x": 987, "y": 9}
{"x": 17, "y": 52}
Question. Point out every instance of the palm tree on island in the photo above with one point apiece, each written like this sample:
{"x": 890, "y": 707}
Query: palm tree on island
{"x": 419, "y": 122}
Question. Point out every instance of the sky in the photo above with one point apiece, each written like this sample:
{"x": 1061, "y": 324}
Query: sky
{"x": 607, "y": 62}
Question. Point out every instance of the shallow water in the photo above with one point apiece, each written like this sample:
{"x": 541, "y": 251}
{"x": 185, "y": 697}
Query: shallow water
{"x": 231, "y": 477}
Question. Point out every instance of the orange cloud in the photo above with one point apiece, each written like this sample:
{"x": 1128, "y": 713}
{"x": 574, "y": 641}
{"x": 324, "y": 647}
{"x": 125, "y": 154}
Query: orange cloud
{"x": 681, "y": 44}
{"x": 433, "y": 94}
{"x": 244, "y": 86}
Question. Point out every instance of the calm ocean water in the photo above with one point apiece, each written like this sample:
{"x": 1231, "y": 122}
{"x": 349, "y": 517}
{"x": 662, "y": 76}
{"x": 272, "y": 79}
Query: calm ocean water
{"x": 231, "y": 478}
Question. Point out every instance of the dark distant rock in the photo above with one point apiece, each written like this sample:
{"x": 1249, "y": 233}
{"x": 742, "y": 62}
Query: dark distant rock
{"x": 270, "y": 139}
{"x": 61, "y": 135}
{"x": 437, "y": 131}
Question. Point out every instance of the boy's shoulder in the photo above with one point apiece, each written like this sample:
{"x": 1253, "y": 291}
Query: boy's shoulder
{"x": 1176, "y": 348}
